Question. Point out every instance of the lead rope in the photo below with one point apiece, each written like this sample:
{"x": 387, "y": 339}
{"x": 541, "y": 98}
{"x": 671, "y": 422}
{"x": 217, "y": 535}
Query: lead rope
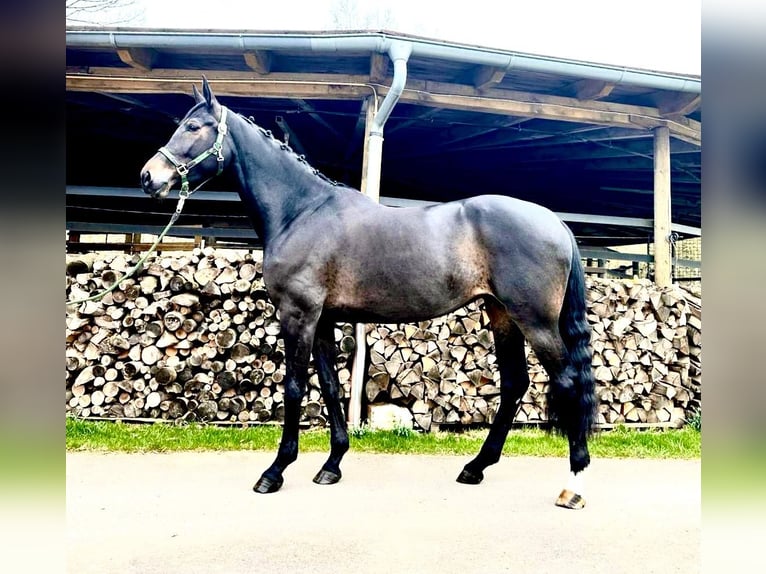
{"x": 182, "y": 195}
{"x": 183, "y": 170}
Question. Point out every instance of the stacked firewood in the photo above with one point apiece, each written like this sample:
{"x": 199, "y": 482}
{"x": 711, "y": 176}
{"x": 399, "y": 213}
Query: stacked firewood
{"x": 647, "y": 345}
{"x": 442, "y": 369}
{"x": 191, "y": 337}
{"x": 646, "y": 359}
{"x": 194, "y": 336}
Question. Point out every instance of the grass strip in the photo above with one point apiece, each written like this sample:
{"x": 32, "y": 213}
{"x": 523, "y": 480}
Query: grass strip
{"x": 621, "y": 442}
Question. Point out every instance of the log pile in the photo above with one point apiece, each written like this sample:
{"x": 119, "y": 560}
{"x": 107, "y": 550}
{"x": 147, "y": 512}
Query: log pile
{"x": 646, "y": 359}
{"x": 194, "y": 337}
{"x": 647, "y": 345}
{"x": 442, "y": 370}
{"x": 191, "y": 337}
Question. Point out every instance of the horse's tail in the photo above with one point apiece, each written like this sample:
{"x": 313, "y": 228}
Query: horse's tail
{"x": 574, "y": 408}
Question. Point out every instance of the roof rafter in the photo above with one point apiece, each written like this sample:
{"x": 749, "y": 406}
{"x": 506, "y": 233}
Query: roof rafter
{"x": 591, "y": 89}
{"x": 258, "y": 61}
{"x": 487, "y": 77}
{"x": 581, "y": 135}
{"x": 378, "y": 68}
{"x": 314, "y": 115}
{"x": 138, "y": 58}
{"x": 426, "y": 115}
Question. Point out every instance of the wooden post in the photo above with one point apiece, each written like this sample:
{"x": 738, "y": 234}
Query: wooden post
{"x": 372, "y": 156}
{"x": 662, "y": 217}
{"x": 371, "y": 161}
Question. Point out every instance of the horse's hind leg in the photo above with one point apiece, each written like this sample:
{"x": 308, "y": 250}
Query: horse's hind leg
{"x": 298, "y": 326}
{"x": 325, "y": 355}
{"x": 514, "y": 381}
{"x": 567, "y": 405}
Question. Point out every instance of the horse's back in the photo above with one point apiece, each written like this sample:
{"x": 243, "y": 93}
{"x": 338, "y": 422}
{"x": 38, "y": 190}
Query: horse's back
{"x": 447, "y": 222}
{"x": 419, "y": 262}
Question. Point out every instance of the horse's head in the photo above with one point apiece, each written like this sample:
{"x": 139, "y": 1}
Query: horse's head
{"x": 195, "y": 152}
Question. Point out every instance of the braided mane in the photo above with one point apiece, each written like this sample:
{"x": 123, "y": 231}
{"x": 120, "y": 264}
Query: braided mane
{"x": 285, "y": 147}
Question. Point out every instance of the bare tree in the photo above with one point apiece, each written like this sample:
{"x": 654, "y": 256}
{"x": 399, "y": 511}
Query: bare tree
{"x": 362, "y": 15}
{"x": 349, "y": 15}
{"x": 103, "y": 12}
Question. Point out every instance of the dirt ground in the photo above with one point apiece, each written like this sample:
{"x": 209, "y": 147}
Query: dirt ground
{"x": 196, "y": 512}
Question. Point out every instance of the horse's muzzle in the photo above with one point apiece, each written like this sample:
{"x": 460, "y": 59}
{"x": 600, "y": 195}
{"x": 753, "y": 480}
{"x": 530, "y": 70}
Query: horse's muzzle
{"x": 157, "y": 177}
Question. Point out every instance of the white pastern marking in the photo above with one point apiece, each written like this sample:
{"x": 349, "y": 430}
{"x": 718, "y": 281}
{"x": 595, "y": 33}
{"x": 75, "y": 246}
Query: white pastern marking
{"x": 576, "y": 483}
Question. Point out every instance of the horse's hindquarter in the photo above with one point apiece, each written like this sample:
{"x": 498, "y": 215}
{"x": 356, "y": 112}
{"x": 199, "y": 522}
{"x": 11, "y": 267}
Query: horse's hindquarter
{"x": 529, "y": 253}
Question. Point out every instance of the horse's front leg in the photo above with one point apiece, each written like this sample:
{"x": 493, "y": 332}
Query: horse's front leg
{"x": 325, "y": 355}
{"x": 298, "y": 326}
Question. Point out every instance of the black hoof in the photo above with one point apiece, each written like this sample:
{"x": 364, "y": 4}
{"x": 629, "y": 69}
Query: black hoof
{"x": 468, "y": 477}
{"x": 265, "y": 485}
{"x": 327, "y": 477}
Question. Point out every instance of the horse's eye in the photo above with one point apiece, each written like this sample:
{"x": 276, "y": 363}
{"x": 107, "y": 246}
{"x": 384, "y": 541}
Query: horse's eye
{"x": 192, "y": 127}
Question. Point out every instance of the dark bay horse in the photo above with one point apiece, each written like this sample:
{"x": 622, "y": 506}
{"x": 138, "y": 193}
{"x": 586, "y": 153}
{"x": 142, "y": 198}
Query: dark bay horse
{"x": 331, "y": 254}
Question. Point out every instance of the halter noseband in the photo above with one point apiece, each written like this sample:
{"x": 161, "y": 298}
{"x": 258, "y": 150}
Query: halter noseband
{"x": 216, "y": 148}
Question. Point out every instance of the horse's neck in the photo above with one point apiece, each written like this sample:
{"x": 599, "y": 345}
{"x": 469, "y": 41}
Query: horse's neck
{"x": 275, "y": 187}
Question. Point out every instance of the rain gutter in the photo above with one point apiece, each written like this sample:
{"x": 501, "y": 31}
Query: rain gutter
{"x": 218, "y": 42}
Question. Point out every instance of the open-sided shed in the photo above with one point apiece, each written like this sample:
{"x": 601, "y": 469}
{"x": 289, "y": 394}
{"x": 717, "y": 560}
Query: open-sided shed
{"x": 615, "y": 151}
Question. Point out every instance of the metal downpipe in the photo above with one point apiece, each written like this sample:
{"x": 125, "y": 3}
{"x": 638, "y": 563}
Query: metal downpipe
{"x": 399, "y": 52}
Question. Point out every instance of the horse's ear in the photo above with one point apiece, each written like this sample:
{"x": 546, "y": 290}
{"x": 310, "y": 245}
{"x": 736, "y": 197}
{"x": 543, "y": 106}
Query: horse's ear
{"x": 208, "y": 93}
{"x": 198, "y": 99}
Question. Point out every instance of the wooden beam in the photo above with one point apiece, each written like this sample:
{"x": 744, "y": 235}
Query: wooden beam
{"x": 431, "y": 94}
{"x": 581, "y": 135}
{"x": 680, "y": 128}
{"x": 439, "y": 88}
{"x": 138, "y": 58}
{"x": 591, "y": 89}
{"x": 521, "y": 108}
{"x": 259, "y": 61}
{"x": 414, "y": 120}
{"x": 678, "y": 104}
{"x": 685, "y": 129}
{"x": 498, "y": 134}
{"x": 662, "y": 205}
{"x": 567, "y": 152}
{"x": 312, "y": 113}
{"x": 692, "y": 139}
{"x": 445, "y": 139}
{"x": 359, "y": 130}
{"x": 378, "y": 68}
{"x": 544, "y": 106}
{"x": 156, "y": 81}
{"x": 487, "y": 77}
{"x": 133, "y": 102}
{"x": 516, "y": 158}
{"x": 312, "y": 86}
